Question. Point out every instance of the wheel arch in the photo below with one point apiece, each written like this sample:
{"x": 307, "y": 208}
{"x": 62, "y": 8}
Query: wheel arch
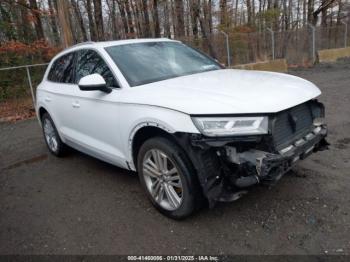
{"x": 41, "y": 111}
{"x": 144, "y": 132}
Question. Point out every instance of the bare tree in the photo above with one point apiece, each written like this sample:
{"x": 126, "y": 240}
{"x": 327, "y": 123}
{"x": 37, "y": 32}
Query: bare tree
{"x": 325, "y": 5}
{"x": 121, "y": 6}
{"x": 114, "y": 22}
{"x": 223, "y": 14}
{"x": 194, "y": 5}
{"x": 79, "y": 18}
{"x": 179, "y": 12}
{"x": 99, "y": 19}
{"x": 147, "y": 29}
{"x": 63, "y": 15}
{"x": 92, "y": 26}
{"x": 156, "y": 19}
{"x": 53, "y": 21}
{"x": 38, "y": 24}
{"x": 167, "y": 31}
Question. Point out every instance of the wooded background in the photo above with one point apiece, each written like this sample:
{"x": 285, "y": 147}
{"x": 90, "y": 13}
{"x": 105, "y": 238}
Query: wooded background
{"x": 45, "y": 26}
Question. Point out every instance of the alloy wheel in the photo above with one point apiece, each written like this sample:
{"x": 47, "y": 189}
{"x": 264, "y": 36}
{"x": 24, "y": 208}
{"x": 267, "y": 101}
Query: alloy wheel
{"x": 162, "y": 179}
{"x": 50, "y": 135}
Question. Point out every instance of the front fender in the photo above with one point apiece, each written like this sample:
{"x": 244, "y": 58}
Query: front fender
{"x": 139, "y": 116}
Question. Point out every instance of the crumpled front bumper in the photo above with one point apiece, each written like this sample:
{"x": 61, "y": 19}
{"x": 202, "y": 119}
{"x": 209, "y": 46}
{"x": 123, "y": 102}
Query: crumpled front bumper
{"x": 224, "y": 170}
{"x": 270, "y": 167}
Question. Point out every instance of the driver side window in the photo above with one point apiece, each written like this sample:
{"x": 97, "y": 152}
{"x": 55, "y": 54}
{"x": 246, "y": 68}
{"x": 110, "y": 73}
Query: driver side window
{"x": 89, "y": 62}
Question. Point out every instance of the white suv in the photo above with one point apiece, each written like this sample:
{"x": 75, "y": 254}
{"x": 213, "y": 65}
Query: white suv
{"x": 195, "y": 132}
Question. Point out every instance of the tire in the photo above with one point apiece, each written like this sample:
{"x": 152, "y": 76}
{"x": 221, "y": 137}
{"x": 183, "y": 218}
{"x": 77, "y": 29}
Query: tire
{"x": 51, "y": 136}
{"x": 189, "y": 193}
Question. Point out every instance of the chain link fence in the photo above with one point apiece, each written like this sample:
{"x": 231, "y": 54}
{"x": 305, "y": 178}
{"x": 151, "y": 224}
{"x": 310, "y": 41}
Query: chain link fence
{"x": 298, "y": 47}
{"x": 17, "y": 91}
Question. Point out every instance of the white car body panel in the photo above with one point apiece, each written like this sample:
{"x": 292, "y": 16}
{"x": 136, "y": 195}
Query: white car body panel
{"x": 227, "y": 91}
{"x": 103, "y": 125}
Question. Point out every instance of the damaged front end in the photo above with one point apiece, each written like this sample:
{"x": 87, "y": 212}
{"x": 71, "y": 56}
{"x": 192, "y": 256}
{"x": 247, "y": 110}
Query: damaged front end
{"x": 227, "y": 166}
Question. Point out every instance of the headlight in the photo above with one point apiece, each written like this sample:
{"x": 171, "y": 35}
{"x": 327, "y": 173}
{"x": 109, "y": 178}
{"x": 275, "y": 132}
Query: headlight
{"x": 226, "y": 126}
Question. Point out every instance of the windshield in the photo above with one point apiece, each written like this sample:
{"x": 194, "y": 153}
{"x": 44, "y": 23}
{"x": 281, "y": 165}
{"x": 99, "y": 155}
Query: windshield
{"x": 144, "y": 63}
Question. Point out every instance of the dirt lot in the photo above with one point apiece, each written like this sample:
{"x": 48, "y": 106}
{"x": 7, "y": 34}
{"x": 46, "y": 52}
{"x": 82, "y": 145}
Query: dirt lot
{"x": 79, "y": 205}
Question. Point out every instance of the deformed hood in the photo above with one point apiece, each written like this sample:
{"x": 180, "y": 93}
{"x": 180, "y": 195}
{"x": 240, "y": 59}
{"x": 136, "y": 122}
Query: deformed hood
{"x": 227, "y": 91}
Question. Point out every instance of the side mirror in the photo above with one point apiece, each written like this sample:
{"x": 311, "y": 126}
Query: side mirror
{"x": 93, "y": 82}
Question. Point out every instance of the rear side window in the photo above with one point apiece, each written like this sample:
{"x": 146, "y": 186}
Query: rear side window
{"x": 89, "y": 62}
{"x": 62, "y": 70}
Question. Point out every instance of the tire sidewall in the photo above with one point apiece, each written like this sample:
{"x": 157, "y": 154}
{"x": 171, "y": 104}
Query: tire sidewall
{"x": 60, "y": 145}
{"x": 176, "y": 155}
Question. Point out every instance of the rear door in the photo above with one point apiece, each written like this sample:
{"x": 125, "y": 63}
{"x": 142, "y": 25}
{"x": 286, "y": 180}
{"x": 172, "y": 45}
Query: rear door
{"x": 60, "y": 92}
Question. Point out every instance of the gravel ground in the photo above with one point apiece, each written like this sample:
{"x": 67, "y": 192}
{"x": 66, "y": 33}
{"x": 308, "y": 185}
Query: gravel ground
{"x": 79, "y": 205}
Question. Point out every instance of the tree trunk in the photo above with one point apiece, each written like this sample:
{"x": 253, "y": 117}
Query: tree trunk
{"x": 130, "y": 22}
{"x": 25, "y": 28}
{"x": 156, "y": 19}
{"x": 204, "y": 32}
{"x": 210, "y": 16}
{"x": 236, "y": 13}
{"x": 207, "y": 14}
{"x": 180, "y": 25}
{"x": 223, "y": 14}
{"x": 121, "y": 7}
{"x": 92, "y": 27}
{"x": 249, "y": 12}
{"x": 167, "y": 31}
{"x": 194, "y": 5}
{"x": 147, "y": 29}
{"x": 79, "y": 18}
{"x": 38, "y": 25}
{"x": 304, "y": 12}
{"x": 276, "y": 7}
{"x": 310, "y": 11}
{"x": 10, "y": 30}
{"x": 137, "y": 17}
{"x": 53, "y": 21}
{"x": 325, "y": 5}
{"x": 113, "y": 12}
{"x": 173, "y": 16}
{"x": 284, "y": 16}
{"x": 99, "y": 19}
{"x": 340, "y": 9}
{"x": 63, "y": 16}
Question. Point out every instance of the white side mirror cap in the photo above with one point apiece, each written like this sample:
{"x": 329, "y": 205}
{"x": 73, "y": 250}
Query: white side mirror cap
{"x": 93, "y": 82}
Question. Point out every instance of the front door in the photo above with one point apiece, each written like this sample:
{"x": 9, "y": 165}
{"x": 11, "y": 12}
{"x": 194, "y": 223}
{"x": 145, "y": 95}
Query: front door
{"x": 96, "y": 113}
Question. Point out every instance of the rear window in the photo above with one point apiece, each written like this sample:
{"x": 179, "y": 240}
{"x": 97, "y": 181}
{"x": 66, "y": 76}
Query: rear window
{"x": 62, "y": 70}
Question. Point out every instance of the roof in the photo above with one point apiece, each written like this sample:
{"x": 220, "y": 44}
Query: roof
{"x": 120, "y": 42}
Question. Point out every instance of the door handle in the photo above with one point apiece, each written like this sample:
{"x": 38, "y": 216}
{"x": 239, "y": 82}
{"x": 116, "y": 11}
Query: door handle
{"x": 76, "y": 104}
{"x": 48, "y": 99}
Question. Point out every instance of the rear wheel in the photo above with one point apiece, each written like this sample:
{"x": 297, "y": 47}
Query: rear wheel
{"x": 52, "y": 139}
{"x": 168, "y": 178}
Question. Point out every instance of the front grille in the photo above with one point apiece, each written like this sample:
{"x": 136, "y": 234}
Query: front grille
{"x": 291, "y": 125}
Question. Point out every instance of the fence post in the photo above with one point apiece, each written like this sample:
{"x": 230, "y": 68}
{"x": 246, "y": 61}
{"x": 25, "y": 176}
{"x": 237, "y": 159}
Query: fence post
{"x": 30, "y": 84}
{"x": 272, "y": 42}
{"x": 227, "y": 49}
{"x": 313, "y": 30}
{"x": 345, "y": 34}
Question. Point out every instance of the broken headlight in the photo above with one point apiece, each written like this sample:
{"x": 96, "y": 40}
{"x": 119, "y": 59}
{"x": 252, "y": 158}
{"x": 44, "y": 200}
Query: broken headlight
{"x": 226, "y": 126}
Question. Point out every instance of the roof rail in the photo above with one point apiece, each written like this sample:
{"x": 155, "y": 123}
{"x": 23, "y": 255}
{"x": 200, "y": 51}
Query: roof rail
{"x": 82, "y": 43}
